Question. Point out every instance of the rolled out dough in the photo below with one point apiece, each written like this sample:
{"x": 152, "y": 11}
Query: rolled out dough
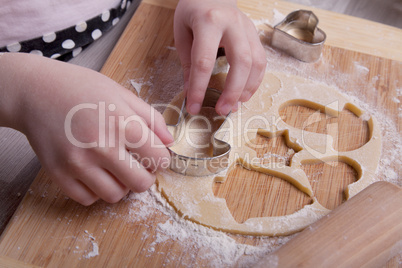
{"x": 193, "y": 197}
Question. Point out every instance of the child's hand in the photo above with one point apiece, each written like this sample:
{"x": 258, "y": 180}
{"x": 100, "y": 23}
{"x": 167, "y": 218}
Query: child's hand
{"x": 64, "y": 108}
{"x": 200, "y": 27}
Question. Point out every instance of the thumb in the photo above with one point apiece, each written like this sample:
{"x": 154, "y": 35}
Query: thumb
{"x": 151, "y": 116}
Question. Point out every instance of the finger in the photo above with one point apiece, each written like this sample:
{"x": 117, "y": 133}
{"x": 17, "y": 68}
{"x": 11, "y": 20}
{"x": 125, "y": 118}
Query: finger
{"x": 142, "y": 141}
{"x": 130, "y": 172}
{"x": 236, "y": 107}
{"x": 238, "y": 54}
{"x": 152, "y": 117}
{"x": 203, "y": 55}
{"x": 259, "y": 63}
{"x": 183, "y": 42}
{"x": 103, "y": 184}
{"x": 76, "y": 190}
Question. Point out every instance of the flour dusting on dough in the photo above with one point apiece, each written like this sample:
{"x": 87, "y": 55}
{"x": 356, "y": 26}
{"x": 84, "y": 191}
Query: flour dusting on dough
{"x": 346, "y": 84}
{"x": 215, "y": 248}
{"x": 195, "y": 237}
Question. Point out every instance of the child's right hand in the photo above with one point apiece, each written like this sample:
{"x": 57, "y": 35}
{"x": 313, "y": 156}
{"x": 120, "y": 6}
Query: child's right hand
{"x": 62, "y": 108}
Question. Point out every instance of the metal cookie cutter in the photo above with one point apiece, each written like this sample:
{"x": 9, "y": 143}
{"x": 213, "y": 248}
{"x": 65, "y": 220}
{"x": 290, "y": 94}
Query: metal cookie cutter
{"x": 200, "y": 166}
{"x": 299, "y": 36}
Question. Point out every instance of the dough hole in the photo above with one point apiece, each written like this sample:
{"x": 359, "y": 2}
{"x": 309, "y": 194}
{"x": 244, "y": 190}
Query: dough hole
{"x": 206, "y": 200}
{"x": 348, "y": 131}
{"x": 243, "y": 205}
{"x": 330, "y": 180}
{"x": 274, "y": 149}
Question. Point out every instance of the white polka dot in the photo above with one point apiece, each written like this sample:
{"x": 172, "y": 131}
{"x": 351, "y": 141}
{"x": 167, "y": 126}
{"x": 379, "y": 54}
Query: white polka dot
{"x": 55, "y": 56}
{"x": 96, "y": 34}
{"x": 105, "y": 15}
{"x": 14, "y": 47}
{"x": 115, "y": 21}
{"x": 68, "y": 44}
{"x": 49, "y": 37}
{"x": 123, "y": 4}
{"x": 77, "y": 51}
{"x": 36, "y": 52}
{"x": 128, "y": 4}
{"x": 80, "y": 27}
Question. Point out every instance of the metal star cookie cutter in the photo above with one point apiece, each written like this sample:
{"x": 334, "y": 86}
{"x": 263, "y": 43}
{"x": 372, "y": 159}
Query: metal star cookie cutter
{"x": 200, "y": 166}
{"x": 299, "y": 36}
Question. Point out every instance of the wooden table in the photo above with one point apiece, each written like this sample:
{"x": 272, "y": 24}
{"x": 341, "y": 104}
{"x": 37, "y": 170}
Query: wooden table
{"x": 343, "y": 32}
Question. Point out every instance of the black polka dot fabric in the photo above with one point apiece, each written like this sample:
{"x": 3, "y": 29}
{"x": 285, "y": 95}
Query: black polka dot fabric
{"x": 68, "y": 43}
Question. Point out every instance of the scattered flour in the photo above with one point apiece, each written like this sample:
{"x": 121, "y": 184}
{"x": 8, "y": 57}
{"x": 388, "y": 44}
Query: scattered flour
{"x": 217, "y": 249}
{"x": 322, "y": 71}
{"x": 138, "y": 84}
{"x": 396, "y": 100}
{"x": 362, "y": 69}
{"x": 163, "y": 84}
{"x": 278, "y": 17}
{"x": 95, "y": 247}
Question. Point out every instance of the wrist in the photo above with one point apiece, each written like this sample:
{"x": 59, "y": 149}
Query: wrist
{"x": 12, "y": 79}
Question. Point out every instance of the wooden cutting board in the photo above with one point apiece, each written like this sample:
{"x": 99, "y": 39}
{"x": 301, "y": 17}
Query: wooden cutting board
{"x": 50, "y": 230}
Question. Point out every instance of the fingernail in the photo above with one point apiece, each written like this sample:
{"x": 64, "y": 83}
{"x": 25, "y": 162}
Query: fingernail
{"x": 194, "y": 108}
{"x": 225, "y": 109}
{"x": 237, "y": 106}
{"x": 248, "y": 97}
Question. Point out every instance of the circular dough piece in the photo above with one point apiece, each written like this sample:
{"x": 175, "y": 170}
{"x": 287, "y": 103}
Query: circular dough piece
{"x": 193, "y": 197}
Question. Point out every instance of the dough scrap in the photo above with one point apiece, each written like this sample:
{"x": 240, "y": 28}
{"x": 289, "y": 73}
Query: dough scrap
{"x": 193, "y": 197}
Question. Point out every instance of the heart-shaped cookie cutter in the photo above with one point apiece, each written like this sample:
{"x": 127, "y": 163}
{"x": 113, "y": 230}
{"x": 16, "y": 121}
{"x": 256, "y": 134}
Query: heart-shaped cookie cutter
{"x": 299, "y": 36}
{"x": 200, "y": 166}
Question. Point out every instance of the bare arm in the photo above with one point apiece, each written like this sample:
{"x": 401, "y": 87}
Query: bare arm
{"x": 95, "y": 138}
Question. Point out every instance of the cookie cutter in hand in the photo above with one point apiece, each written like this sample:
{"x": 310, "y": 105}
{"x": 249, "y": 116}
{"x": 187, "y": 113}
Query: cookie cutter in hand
{"x": 200, "y": 166}
{"x": 299, "y": 36}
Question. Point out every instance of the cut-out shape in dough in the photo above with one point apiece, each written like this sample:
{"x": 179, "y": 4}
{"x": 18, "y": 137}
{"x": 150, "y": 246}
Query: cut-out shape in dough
{"x": 269, "y": 147}
{"x": 240, "y": 182}
{"x": 349, "y": 131}
{"x": 329, "y": 180}
{"x": 193, "y": 197}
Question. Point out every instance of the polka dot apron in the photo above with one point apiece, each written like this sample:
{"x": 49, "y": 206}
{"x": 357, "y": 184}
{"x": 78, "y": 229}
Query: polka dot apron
{"x": 69, "y": 42}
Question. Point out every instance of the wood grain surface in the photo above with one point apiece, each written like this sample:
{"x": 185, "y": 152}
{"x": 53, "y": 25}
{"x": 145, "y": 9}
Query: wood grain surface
{"x": 376, "y": 210}
{"x": 50, "y": 230}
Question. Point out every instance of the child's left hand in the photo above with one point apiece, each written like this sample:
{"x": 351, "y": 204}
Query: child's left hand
{"x": 200, "y": 28}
